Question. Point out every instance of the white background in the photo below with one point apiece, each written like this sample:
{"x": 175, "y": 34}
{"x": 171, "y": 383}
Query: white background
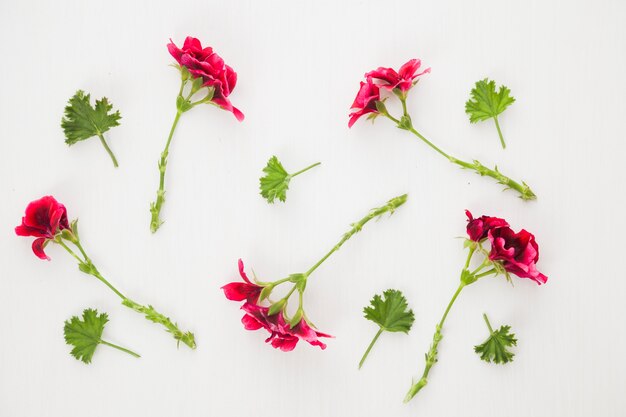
{"x": 299, "y": 65}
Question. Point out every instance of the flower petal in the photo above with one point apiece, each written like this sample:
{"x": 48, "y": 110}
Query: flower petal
{"x": 38, "y": 245}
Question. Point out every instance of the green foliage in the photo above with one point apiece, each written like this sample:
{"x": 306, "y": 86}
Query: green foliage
{"x": 275, "y": 183}
{"x": 496, "y": 347}
{"x": 82, "y": 121}
{"x": 390, "y": 312}
{"x": 85, "y": 335}
{"x": 487, "y": 103}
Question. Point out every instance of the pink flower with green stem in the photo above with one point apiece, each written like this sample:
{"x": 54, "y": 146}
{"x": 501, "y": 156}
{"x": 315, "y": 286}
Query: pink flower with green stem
{"x": 46, "y": 220}
{"x": 508, "y": 253}
{"x": 261, "y": 312}
{"x": 369, "y": 101}
{"x": 202, "y": 72}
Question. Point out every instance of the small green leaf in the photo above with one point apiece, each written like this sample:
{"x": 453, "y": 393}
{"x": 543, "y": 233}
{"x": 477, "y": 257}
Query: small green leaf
{"x": 82, "y": 121}
{"x": 496, "y": 347}
{"x": 85, "y": 334}
{"x": 487, "y": 103}
{"x": 275, "y": 183}
{"x": 390, "y": 312}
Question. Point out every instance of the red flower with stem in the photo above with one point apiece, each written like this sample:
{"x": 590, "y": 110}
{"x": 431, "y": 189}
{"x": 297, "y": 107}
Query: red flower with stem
{"x": 202, "y": 72}
{"x": 46, "y": 220}
{"x": 400, "y": 82}
{"x": 510, "y": 253}
{"x": 271, "y": 315}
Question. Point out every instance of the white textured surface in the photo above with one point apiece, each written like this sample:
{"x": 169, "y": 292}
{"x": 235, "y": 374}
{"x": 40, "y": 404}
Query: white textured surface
{"x": 299, "y": 65}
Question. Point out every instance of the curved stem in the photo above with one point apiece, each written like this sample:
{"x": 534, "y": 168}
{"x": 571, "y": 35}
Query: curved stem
{"x": 431, "y": 355}
{"x": 155, "y": 208}
{"x": 87, "y": 266}
{"x": 454, "y": 297}
{"x": 523, "y": 189}
{"x": 495, "y": 119}
{"x": 367, "y": 352}
{"x": 104, "y": 143}
{"x": 305, "y": 169}
{"x": 92, "y": 270}
{"x": 356, "y": 227}
{"x": 130, "y": 352}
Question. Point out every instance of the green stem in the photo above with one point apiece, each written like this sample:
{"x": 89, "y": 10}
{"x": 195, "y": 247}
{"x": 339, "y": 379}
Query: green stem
{"x": 92, "y": 270}
{"x": 367, "y": 352}
{"x": 130, "y": 352}
{"x": 402, "y": 98}
{"x": 305, "y": 169}
{"x": 469, "y": 257}
{"x": 109, "y": 151}
{"x": 523, "y": 189}
{"x": 429, "y": 143}
{"x": 87, "y": 266}
{"x": 431, "y": 355}
{"x": 495, "y": 119}
{"x": 484, "y": 274}
{"x": 391, "y": 205}
{"x": 488, "y": 324}
{"x": 155, "y": 208}
{"x": 70, "y": 251}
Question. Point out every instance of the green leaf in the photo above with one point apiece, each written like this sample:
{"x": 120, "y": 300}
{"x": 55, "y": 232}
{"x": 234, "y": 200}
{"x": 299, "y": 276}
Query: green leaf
{"x": 487, "y": 103}
{"x": 85, "y": 335}
{"x": 496, "y": 347}
{"x": 390, "y": 312}
{"x": 82, "y": 121}
{"x": 275, "y": 183}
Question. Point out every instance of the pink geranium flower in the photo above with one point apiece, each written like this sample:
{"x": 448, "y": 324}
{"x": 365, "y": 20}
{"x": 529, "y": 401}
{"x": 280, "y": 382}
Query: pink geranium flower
{"x": 44, "y": 218}
{"x": 477, "y": 228}
{"x": 403, "y": 80}
{"x": 240, "y": 291}
{"x": 517, "y": 252}
{"x": 365, "y": 101}
{"x": 205, "y": 63}
{"x": 282, "y": 335}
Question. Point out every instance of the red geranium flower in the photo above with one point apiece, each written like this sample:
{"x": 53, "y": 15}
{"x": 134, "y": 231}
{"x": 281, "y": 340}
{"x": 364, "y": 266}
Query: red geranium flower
{"x": 365, "y": 101}
{"x": 282, "y": 336}
{"x": 204, "y": 63}
{"x": 44, "y": 218}
{"x": 402, "y": 80}
{"x": 518, "y": 253}
{"x": 239, "y": 291}
{"x": 477, "y": 228}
